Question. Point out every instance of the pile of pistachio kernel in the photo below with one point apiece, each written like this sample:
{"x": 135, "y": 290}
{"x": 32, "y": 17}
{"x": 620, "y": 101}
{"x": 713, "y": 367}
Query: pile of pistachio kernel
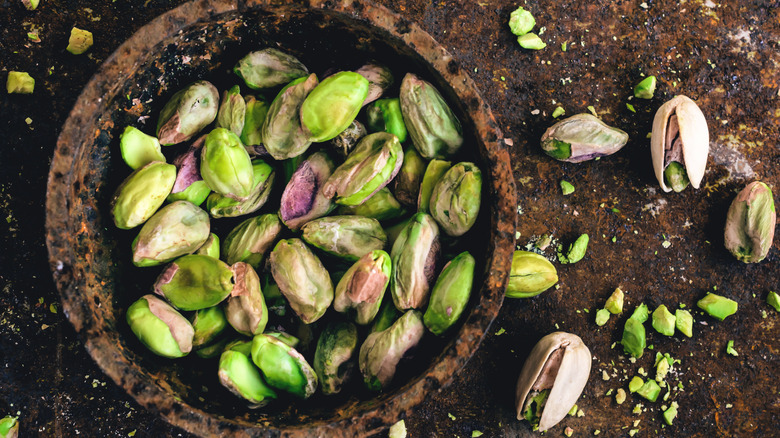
{"x": 357, "y": 176}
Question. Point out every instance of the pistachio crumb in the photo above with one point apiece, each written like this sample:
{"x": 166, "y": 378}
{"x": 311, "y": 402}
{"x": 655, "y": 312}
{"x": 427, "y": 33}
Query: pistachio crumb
{"x": 452, "y": 417}
{"x": 604, "y": 375}
{"x": 730, "y": 348}
{"x": 568, "y": 431}
{"x": 729, "y": 406}
{"x": 476, "y": 433}
{"x": 620, "y": 397}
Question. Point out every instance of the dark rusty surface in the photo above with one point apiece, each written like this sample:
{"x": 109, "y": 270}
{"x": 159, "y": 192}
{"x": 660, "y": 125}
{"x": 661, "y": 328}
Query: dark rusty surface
{"x": 723, "y": 55}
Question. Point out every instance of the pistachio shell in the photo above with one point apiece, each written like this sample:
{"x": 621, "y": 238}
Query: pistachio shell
{"x": 559, "y": 362}
{"x": 187, "y": 113}
{"x": 582, "y": 137}
{"x": 694, "y": 139}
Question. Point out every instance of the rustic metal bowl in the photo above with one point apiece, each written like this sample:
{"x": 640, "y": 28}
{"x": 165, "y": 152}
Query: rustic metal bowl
{"x": 90, "y": 258}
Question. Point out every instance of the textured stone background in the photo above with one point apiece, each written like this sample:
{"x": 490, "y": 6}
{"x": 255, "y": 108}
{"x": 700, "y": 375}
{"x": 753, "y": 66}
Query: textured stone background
{"x": 660, "y": 248}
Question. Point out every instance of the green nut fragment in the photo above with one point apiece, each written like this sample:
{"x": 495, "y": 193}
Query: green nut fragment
{"x": 662, "y": 368}
{"x": 531, "y": 41}
{"x": 360, "y": 290}
{"x": 254, "y": 116}
{"x": 268, "y": 68}
{"x": 635, "y": 383}
{"x": 663, "y": 321}
{"x": 379, "y": 77}
{"x": 141, "y": 194}
{"x": 245, "y": 308}
{"x": 730, "y": 348}
{"x": 382, "y": 351}
{"x": 19, "y": 82}
{"x": 406, "y": 185}
{"x": 283, "y": 134}
{"x": 602, "y": 316}
{"x": 567, "y": 188}
{"x": 434, "y": 172}
{"x": 650, "y": 390}
{"x": 240, "y": 376}
{"x": 138, "y": 148}
{"x": 177, "y": 229}
{"x": 750, "y": 223}
{"x": 333, "y": 105}
{"x": 349, "y": 237}
{"x": 646, "y": 88}
{"x": 582, "y": 137}
{"x": 30, "y": 5}
{"x": 531, "y": 275}
{"x": 397, "y": 430}
{"x": 557, "y": 112}
{"x": 676, "y": 177}
{"x": 194, "y": 282}
{"x": 773, "y": 300}
{"x": 521, "y": 21}
{"x": 9, "y": 426}
{"x": 226, "y": 166}
{"x": 382, "y": 206}
{"x": 456, "y": 198}
{"x": 415, "y": 255}
{"x": 160, "y": 327}
{"x": 302, "y": 199}
{"x": 302, "y": 279}
{"x": 450, "y": 294}
{"x": 620, "y": 396}
{"x": 80, "y": 41}
{"x": 263, "y": 177}
{"x": 333, "y": 358}
{"x": 250, "y": 240}
{"x": 634, "y": 338}
{"x": 717, "y": 306}
{"x": 385, "y": 115}
{"x": 187, "y": 113}
{"x": 641, "y": 313}
{"x": 432, "y": 126}
{"x": 283, "y": 366}
{"x": 683, "y": 322}
{"x": 671, "y": 413}
{"x": 209, "y": 324}
{"x": 615, "y": 302}
{"x": 189, "y": 186}
{"x": 577, "y": 249}
{"x": 232, "y": 111}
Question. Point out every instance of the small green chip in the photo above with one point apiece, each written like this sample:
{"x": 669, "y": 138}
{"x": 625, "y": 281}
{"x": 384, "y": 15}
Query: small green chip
{"x": 730, "y": 348}
{"x": 567, "y": 188}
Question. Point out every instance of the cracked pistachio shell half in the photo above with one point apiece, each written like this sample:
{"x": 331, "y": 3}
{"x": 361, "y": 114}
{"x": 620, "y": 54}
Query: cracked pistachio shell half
{"x": 194, "y": 282}
{"x": 245, "y": 308}
{"x": 141, "y": 194}
{"x": 160, "y": 327}
{"x": 283, "y": 134}
{"x": 750, "y": 223}
{"x": 433, "y": 127}
{"x": 349, "y": 237}
{"x": 209, "y": 324}
{"x": 283, "y": 366}
{"x": 268, "y": 68}
{"x": 302, "y": 279}
{"x": 179, "y": 228}
{"x": 560, "y": 363}
{"x": 139, "y": 148}
{"x": 360, "y": 291}
{"x": 333, "y": 358}
{"x": 251, "y": 240}
{"x": 240, "y": 376}
{"x": 381, "y": 351}
{"x": 226, "y": 166}
{"x": 189, "y": 186}
{"x": 379, "y": 77}
{"x": 456, "y": 198}
{"x": 414, "y": 258}
{"x": 370, "y": 166}
{"x": 582, "y": 137}
{"x": 450, "y": 294}
{"x": 187, "y": 113}
{"x": 680, "y": 135}
{"x": 232, "y": 111}
{"x": 302, "y": 199}
{"x": 333, "y": 105}
{"x": 263, "y": 176}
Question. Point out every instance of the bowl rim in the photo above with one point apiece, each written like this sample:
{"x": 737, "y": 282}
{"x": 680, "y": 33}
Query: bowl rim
{"x": 502, "y": 221}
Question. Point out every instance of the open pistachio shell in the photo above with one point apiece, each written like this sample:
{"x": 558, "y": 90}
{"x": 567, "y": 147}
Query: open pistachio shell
{"x": 560, "y": 363}
{"x": 680, "y": 134}
{"x": 582, "y": 137}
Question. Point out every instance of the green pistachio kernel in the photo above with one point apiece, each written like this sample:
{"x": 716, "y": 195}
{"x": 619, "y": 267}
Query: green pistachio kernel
{"x": 646, "y": 88}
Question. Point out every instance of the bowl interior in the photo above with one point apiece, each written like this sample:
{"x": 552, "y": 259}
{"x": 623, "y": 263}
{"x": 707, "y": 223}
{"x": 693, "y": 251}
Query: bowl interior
{"x": 91, "y": 258}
